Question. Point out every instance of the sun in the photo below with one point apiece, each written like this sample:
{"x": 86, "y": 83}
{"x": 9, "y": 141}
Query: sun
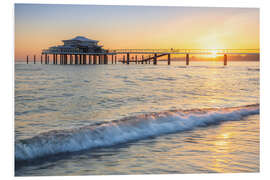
{"x": 213, "y": 53}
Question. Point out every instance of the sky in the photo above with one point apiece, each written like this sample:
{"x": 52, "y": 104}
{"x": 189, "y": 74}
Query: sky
{"x": 39, "y": 26}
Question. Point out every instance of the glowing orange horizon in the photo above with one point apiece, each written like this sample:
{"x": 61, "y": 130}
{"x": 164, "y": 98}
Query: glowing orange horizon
{"x": 38, "y": 27}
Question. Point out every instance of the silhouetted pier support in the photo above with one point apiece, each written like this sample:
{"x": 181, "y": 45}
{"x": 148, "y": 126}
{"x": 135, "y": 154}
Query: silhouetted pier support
{"x": 112, "y": 58}
{"x": 127, "y": 58}
{"x": 90, "y": 59}
{"x": 84, "y": 59}
{"x": 53, "y": 58}
{"x": 95, "y": 59}
{"x": 40, "y": 59}
{"x": 46, "y": 59}
{"x": 70, "y": 59}
{"x": 80, "y": 59}
{"x": 136, "y": 59}
{"x": 187, "y": 59}
{"x": 169, "y": 59}
{"x": 34, "y": 59}
{"x": 27, "y": 59}
{"x": 225, "y": 59}
{"x": 76, "y": 59}
{"x": 155, "y": 59}
{"x": 124, "y": 59}
{"x": 99, "y": 59}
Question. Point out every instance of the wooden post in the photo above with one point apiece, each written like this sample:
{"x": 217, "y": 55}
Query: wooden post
{"x": 136, "y": 59}
{"x": 155, "y": 59}
{"x": 225, "y": 59}
{"x": 112, "y": 59}
{"x": 41, "y": 59}
{"x": 34, "y": 59}
{"x": 124, "y": 59}
{"x": 169, "y": 59}
{"x": 187, "y": 59}
{"x": 70, "y": 59}
{"x": 80, "y": 56}
{"x": 46, "y": 59}
{"x": 104, "y": 59}
{"x": 53, "y": 58}
{"x": 27, "y": 59}
{"x": 89, "y": 59}
{"x": 55, "y": 55}
{"x": 99, "y": 59}
{"x": 95, "y": 59}
{"x": 127, "y": 58}
{"x": 76, "y": 59}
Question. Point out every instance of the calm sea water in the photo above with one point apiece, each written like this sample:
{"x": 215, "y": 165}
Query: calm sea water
{"x": 136, "y": 119}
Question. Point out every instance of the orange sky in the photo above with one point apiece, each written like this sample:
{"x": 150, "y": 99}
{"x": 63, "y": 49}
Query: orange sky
{"x": 41, "y": 26}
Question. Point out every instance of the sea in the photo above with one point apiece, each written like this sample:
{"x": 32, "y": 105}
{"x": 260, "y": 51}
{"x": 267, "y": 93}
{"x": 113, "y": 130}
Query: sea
{"x": 136, "y": 119}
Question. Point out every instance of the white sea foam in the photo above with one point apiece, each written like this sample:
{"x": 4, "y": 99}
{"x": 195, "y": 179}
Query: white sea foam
{"x": 125, "y": 130}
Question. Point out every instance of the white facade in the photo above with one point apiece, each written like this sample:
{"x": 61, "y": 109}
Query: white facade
{"x": 78, "y": 44}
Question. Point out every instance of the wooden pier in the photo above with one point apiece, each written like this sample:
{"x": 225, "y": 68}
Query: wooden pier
{"x": 136, "y": 56}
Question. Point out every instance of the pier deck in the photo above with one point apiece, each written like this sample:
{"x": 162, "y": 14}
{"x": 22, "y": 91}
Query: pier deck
{"x": 131, "y": 55}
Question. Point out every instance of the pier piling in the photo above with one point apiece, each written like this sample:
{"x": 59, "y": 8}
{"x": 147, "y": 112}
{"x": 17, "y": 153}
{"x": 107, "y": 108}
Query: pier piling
{"x": 225, "y": 59}
{"x": 155, "y": 59}
{"x": 34, "y": 59}
{"x": 27, "y": 59}
{"x": 76, "y": 59}
{"x": 53, "y": 58}
{"x": 70, "y": 59}
{"x": 169, "y": 59}
{"x": 95, "y": 59}
{"x": 46, "y": 58}
{"x": 187, "y": 59}
{"x": 124, "y": 60}
{"x": 90, "y": 59}
{"x": 127, "y": 58}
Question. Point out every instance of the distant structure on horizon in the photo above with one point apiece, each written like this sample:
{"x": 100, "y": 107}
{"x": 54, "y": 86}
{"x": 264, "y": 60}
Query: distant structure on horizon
{"x": 78, "y": 44}
{"x": 80, "y": 47}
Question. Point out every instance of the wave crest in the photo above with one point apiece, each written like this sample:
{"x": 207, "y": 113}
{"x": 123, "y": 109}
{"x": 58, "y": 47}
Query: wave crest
{"x": 125, "y": 130}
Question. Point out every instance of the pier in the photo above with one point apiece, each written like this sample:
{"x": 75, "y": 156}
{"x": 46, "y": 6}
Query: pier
{"x": 83, "y": 51}
{"x": 135, "y": 56}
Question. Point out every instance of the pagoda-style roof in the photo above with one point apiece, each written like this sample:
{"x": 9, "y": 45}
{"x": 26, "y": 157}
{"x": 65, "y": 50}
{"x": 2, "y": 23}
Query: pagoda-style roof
{"x": 81, "y": 38}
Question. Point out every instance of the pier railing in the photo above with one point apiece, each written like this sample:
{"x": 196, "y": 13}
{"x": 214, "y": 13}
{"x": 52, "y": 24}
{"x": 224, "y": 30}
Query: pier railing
{"x": 159, "y": 51}
{"x": 186, "y": 51}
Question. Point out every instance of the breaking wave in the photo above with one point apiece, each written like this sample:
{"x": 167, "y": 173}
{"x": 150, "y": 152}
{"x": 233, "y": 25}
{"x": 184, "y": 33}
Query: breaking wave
{"x": 125, "y": 130}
